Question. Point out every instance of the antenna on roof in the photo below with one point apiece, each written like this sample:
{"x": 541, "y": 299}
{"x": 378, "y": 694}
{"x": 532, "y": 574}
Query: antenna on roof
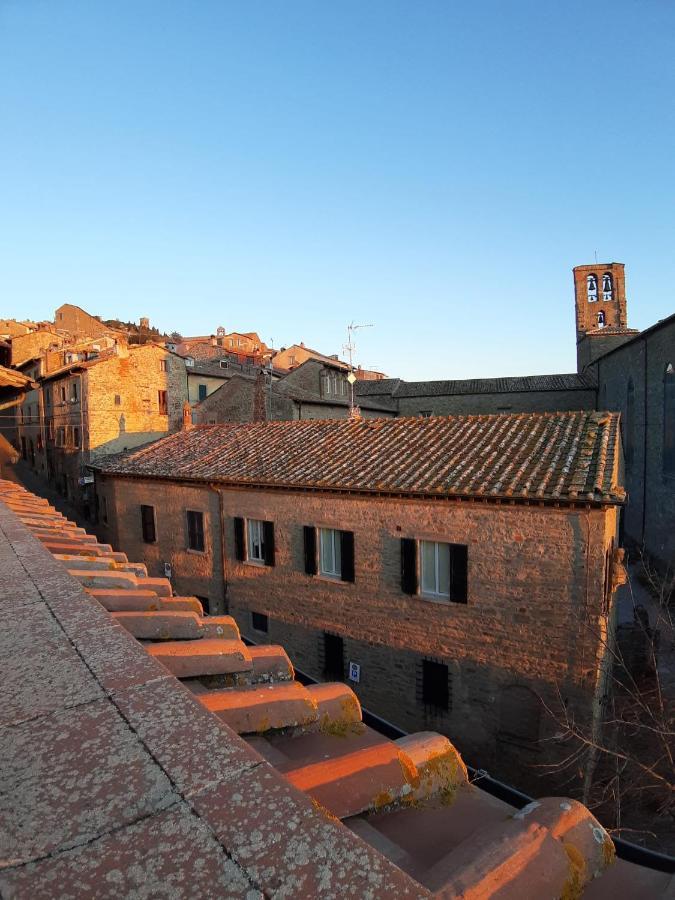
{"x": 596, "y": 257}
{"x": 350, "y": 346}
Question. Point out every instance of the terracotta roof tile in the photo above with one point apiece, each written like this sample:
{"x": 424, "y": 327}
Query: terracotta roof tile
{"x": 168, "y": 798}
{"x": 548, "y": 456}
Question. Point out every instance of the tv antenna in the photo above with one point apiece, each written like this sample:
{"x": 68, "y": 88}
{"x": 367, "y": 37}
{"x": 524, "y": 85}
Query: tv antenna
{"x": 350, "y": 346}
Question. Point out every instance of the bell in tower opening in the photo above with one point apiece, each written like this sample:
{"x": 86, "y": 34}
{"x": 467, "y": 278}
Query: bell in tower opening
{"x": 592, "y": 288}
{"x": 606, "y": 286}
{"x": 601, "y": 319}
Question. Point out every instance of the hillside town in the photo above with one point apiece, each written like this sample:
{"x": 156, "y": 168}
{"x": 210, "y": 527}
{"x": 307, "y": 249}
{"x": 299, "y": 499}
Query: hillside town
{"x": 469, "y": 582}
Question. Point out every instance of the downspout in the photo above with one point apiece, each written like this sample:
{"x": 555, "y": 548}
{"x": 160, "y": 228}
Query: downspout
{"x": 221, "y": 516}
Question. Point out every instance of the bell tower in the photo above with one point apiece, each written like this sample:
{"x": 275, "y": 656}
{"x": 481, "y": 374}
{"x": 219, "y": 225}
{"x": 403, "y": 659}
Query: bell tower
{"x": 601, "y": 315}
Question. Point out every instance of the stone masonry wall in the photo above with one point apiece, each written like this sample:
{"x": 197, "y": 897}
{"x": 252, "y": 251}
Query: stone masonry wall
{"x": 650, "y": 511}
{"x": 536, "y": 577}
{"x": 136, "y": 379}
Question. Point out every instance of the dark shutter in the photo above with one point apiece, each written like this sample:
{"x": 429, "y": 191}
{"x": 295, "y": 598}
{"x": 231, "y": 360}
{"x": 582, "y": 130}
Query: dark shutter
{"x": 409, "y": 565}
{"x": 347, "y": 552}
{"x": 459, "y": 561}
{"x": 148, "y": 524}
{"x": 268, "y": 543}
{"x": 239, "y": 539}
{"x": 310, "y": 549}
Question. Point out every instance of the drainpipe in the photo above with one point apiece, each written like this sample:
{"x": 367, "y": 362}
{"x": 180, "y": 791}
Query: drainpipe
{"x": 223, "y": 573}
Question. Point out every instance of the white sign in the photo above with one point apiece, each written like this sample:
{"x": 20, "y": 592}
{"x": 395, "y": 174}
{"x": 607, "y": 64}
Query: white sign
{"x": 354, "y": 672}
{"x": 351, "y": 378}
{"x": 87, "y": 479}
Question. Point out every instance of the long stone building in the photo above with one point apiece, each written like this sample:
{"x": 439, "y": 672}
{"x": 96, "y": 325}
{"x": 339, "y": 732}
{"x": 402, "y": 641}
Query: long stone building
{"x": 426, "y": 559}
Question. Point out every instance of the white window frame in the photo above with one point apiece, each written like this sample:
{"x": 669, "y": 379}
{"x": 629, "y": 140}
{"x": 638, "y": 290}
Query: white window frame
{"x": 436, "y": 592}
{"x": 255, "y": 531}
{"x": 330, "y": 567}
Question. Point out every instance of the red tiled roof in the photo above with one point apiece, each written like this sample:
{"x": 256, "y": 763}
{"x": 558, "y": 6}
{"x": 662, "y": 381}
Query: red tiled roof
{"x": 541, "y": 456}
{"x": 169, "y": 798}
{"x": 13, "y": 379}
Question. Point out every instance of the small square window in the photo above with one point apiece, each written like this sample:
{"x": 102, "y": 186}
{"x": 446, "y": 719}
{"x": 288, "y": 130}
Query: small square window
{"x": 435, "y": 685}
{"x": 195, "y": 526}
{"x": 163, "y": 365}
{"x": 260, "y": 622}
{"x": 118, "y": 400}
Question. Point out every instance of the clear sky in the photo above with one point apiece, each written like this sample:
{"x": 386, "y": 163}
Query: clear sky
{"x": 433, "y": 168}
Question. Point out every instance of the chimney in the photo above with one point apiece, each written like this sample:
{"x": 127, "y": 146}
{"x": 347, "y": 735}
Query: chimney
{"x": 187, "y": 416}
{"x": 259, "y": 402}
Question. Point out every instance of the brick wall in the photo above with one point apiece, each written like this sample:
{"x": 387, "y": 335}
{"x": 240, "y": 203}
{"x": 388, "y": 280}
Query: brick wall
{"x": 536, "y": 580}
{"x": 650, "y": 512}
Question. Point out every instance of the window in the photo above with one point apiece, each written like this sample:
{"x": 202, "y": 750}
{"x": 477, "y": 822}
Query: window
{"x": 189, "y": 361}
{"x": 104, "y": 508}
{"x": 206, "y": 605}
{"x": 592, "y": 288}
{"x": 195, "y": 527}
{"x": 73, "y": 391}
{"x": 61, "y": 436}
{"x": 254, "y": 541}
{"x": 443, "y": 569}
{"x": 255, "y": 546}
{"x": 607, "y": 286}
{"x": 435, "y": 574}
{"x": 202, "y": 392}
{"x": 163, "y": 403}
{"x": 224, "y": 364}
{"x": 601, "y": 319}
{"x": 118, "y": 399}
{"x": 76, "y": 436}
{"x": 669, "y": 420}
{"x": 148, "y": 524}
{"x": 333, "y": 657}
{"x": 435, "y": 686}
{"x": 425, "y": 413}
{"x": 63, "y": 393}
{"x": 330, "y": 555}
{"x": 163, "y": 365}
{"x": 259, "y": 622}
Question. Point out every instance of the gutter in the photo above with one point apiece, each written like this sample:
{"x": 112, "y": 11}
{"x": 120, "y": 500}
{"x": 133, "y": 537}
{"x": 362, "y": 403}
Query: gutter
{"x": 641, "y": 856}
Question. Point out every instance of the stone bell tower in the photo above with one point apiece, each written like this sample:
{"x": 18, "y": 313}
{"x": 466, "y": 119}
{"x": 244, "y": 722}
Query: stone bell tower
{"x": 601, "y": 314}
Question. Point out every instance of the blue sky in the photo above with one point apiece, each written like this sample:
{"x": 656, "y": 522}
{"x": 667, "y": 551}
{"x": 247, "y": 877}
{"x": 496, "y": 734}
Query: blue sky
{"x": 288, "y": 167}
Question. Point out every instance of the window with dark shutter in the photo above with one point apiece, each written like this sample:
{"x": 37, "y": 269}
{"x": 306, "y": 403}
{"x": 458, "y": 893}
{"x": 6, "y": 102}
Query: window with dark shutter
{"x": 268, "y": 543}
{"x": 310, "y": 549}
{"x": 202, "y": 392}
{"x": 148, "y": 524}
{"x": 459, "y": 561}
{"x": 195, "y": 525}
{"x": 347, "y": 552}
{"x": 435, "y": 685}
{"x": 409, "y": 565}
{"x": 239, "y": 539}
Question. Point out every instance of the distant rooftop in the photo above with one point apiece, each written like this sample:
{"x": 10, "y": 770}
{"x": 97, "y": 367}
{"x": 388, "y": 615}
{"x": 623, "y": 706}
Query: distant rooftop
{"x": 540, "y": 456}
{"x": 397, "y": 387}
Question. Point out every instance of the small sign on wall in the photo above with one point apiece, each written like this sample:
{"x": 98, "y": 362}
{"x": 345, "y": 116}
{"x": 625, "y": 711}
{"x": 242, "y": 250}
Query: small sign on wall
{"x": 354, "y": 672}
